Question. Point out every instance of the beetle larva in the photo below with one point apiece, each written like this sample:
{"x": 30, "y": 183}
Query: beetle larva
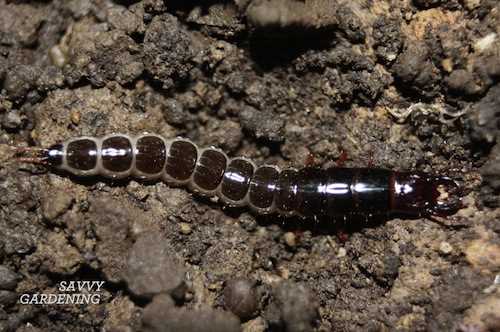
{"x": 265, "y": 189}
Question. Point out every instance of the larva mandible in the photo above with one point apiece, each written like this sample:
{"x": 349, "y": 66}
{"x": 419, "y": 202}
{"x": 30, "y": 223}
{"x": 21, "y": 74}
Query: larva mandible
{"x": 307, "y": 192}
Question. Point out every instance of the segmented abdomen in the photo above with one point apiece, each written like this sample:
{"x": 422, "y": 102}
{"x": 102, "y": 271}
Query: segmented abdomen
{"x": 208, "y": 171}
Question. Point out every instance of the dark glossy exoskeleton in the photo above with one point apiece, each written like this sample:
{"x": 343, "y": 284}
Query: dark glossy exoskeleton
{"x": 308, "y": 192}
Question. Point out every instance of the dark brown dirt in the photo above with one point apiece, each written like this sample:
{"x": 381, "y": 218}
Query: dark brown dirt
{"x": 407, "y": 85}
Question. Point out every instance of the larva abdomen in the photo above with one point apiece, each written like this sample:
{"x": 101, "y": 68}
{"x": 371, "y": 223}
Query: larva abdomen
{"x": 265, "y": 189}
{"x": 178, "y": 162}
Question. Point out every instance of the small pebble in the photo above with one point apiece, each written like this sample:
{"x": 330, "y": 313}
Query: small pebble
{"x": 290, "y": 239}
{"x": 248, "y": 222}
{"x": 447, "y": 65}
{"x": 57, "y": 56}
{"x": 445, "y": 248}
{"x": 8, "y": 278}
{"x": 486, "y": 42}
{"x": 240, "y": 298}
{"x": 185, "y": 228}
{"x": 283, "y": 272}
{"x": 75, "y": 117}
{"x": 174, "y": 112}
{"x": 471, "y": 4}
{"x": 137, "y": 191}
{"x": 341, "y": 253}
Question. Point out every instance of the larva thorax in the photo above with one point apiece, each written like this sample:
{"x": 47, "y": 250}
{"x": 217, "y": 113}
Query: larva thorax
{"x": 178, "y": 161}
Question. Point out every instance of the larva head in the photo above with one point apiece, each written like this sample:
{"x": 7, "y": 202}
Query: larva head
{"x": 424, "y": 194}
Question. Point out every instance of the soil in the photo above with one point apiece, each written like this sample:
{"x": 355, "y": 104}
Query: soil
{"x": 405, "y": 85}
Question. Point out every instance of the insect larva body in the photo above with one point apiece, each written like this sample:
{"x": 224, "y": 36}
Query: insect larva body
{"x": 265, "y": 189}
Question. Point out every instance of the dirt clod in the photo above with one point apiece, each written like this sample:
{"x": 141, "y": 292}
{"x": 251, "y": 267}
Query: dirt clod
{"x": 297, "y": 306}
{"x": 169, "y": 50}
{"x": 416, "y": 70}
{"x": 8, "y": 278}
{"x": 162, "y": 315}
{"x": 152, "y": 266}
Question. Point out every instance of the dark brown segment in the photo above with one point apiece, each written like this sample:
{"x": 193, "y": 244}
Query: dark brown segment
{"x": 311, "y": 192}
{"x": 54, "y": 155}
{"x": 116, "y": 154}
{"x": 263, "y": 186}
{"x": 82, "y": 154}
{"x": 372, "y": 189}
{"x": 209, "y": 170}
{"x": 150, "y": 154}
{"x": 340, "y": 200}
{"x": 286, "y": 193}
{"x": 236, "y": 180}
{"x": 181, "y": 160}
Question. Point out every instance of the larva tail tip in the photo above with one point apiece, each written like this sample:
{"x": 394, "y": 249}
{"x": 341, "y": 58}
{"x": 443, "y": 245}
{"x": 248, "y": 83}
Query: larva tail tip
{"x": 31, "y": 160}
{"x": 30, "y": 154}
